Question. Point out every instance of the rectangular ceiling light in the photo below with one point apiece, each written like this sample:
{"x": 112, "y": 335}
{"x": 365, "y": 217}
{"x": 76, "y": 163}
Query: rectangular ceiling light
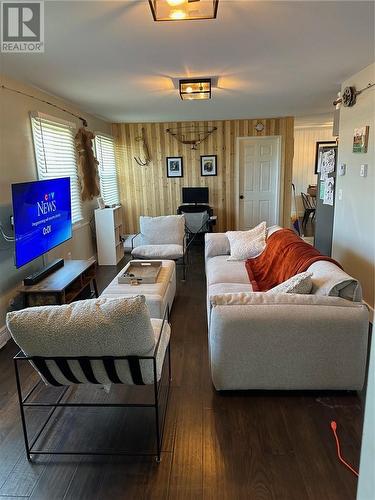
{"x": 195, "y": 89}
{"x": 183, "y": 10}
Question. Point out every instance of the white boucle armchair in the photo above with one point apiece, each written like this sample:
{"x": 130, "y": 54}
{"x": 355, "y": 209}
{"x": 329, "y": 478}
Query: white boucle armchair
{"x": 161, "y": 238}
{"x": 92, "y": 342}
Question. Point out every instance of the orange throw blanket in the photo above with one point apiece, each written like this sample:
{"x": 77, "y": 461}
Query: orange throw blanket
{"x": 284, "y": 256}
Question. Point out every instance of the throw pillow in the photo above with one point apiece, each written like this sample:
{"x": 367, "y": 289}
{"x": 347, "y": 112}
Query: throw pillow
{"x": 300, "y": 283}
{"x": 247, "y": 244}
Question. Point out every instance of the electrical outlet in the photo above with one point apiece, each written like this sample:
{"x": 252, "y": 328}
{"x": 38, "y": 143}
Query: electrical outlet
{"x": 340, "y": 194}
{"x": 363, "y": 170}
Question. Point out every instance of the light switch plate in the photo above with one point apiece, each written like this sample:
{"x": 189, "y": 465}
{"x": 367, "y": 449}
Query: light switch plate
{"x": 363, "y": 170}
{"x": 342, "y": 169}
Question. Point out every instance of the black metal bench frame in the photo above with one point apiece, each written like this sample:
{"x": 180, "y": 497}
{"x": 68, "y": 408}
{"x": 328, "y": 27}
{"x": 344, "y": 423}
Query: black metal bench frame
{"x": 24, "y": 401}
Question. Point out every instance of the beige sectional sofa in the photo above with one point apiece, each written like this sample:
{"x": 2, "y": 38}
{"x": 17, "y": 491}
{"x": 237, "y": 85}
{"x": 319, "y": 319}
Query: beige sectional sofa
{"x": 285, "y": 341}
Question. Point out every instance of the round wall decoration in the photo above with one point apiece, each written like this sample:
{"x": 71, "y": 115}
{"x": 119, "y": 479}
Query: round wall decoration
{"x": 349, "y": 96}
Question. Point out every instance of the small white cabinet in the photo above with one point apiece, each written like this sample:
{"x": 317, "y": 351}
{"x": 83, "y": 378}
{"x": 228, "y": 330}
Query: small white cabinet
{"x": 109, "y": 229}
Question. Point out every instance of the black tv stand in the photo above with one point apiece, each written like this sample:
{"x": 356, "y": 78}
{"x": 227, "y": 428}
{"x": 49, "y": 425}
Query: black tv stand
{"x": 39, "y": 275}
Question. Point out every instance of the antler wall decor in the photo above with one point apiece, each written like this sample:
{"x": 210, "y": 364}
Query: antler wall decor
{"x": 185, "y": 134}
{"x": 147, "y": 159}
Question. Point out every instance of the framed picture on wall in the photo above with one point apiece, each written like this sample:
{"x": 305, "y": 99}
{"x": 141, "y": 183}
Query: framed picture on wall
{"x": 360, "y": 139}
{"x": 175, "y": 166}
{"x": 319, "y": 153}
{"x": 208, "y": 165}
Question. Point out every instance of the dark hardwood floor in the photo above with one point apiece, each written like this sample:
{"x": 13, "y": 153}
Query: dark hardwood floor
{"x": 239, "y": 445}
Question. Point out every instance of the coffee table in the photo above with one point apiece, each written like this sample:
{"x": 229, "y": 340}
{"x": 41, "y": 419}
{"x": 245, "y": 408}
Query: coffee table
{"x": 158, "y": 294}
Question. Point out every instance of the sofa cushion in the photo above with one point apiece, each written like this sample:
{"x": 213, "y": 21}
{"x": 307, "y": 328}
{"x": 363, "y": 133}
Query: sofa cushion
{"x": 168, "y": 252}
{"x": 300, "y": 283}
{"x": 247, "y": 244}
{"x": 220, "y": 270}
{"x": 282, "y": 299}
{"x": 168, "y": 229}
{"x": 328, "y": 279}
{"x": 216, "y": 244}
{"x": 231, "y": 288}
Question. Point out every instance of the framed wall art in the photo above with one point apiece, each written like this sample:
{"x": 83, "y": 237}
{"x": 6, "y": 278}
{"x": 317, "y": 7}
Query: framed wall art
{"x": 319, "y": 152}
{"x": 175, "y": 166}
{"x": 208, "y": 165}
{"x": 360, "y": 139}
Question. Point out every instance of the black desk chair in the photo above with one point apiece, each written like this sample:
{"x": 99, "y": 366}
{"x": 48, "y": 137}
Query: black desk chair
{"x": 198, "y": 220}
{"x": 309, "y": 205}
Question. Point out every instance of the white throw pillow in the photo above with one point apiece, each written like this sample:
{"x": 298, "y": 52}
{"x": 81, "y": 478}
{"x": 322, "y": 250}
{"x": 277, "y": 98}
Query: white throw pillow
{"x": 247, "y": 244}
{"x": 300, "y": 283}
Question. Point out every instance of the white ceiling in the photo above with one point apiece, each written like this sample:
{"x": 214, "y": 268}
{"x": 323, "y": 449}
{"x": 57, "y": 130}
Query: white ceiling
{"x": 272, "y": 58}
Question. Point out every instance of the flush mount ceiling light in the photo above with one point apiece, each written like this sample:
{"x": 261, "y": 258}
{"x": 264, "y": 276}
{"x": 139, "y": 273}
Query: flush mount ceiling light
{"x": 196, "y": 89}
{"x": 183, "y": 10}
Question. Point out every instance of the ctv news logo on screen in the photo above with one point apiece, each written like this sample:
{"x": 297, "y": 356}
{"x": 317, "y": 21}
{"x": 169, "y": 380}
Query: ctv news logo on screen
{"x": 47, "y": 205}
{"x": 22, "y": 27}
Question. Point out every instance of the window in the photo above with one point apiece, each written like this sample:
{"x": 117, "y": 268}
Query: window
{"x": 56, "y": 155}
{"x": 105, "y": 154}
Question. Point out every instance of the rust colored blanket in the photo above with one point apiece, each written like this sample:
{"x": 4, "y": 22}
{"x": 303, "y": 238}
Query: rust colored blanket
{"x": 284, "y": 256}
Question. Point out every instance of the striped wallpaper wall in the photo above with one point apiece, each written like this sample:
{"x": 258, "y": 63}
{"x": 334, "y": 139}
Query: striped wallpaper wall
{"x": 148, "y": 191}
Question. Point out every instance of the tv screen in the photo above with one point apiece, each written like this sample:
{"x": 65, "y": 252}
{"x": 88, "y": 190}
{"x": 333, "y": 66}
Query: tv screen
{"x": 195, "y": 195}
{"x": 42, "y": 217}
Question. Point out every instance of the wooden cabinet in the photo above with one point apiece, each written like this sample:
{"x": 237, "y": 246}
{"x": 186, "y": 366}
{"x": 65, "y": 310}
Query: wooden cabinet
{"x": 109, "y": 229}
{"x": 64, "y": 285}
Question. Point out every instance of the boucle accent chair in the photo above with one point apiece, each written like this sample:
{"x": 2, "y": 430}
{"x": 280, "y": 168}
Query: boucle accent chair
{"x": 283, "y": 341}
{"x": 102, "y": 342}
{"x": 161, "y": 238}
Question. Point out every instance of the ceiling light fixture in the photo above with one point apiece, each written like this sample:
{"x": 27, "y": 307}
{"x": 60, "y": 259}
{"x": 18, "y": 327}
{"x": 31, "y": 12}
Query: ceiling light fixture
{"x": 174, "y": 3}
{"x": 177, "y": 15}
{"x": 165, "y": 10}
{"x": 196, "y": 89}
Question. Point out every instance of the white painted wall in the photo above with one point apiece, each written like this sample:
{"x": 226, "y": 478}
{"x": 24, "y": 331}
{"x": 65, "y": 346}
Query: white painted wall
{"x": 366, "y": 482}
{"x": 354, "y": 240}
{"x": 354, "y": 225}
{"x": 305, "y": 139}
{"x": 17, "y": 164}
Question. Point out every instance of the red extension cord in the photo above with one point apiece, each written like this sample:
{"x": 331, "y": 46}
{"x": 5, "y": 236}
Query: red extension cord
{"x": 334, "y": 427}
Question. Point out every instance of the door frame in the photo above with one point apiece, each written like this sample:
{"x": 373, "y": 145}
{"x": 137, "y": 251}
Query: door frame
{"x": 279, "y": 197}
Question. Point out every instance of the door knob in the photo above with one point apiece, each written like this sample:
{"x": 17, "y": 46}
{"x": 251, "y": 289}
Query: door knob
{"x": 241, "y": 196}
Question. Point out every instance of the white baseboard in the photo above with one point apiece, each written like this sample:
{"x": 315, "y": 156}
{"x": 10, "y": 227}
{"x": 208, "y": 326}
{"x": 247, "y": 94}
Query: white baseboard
{"x": 4, "y": 336}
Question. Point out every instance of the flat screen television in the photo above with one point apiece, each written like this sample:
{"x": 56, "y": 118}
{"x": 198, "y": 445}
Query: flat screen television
{"x": 195, "y": 195}
{"x": 42, "y": 217}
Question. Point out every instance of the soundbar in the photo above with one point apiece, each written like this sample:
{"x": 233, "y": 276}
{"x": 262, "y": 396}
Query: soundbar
{"x": 38, "y": 276}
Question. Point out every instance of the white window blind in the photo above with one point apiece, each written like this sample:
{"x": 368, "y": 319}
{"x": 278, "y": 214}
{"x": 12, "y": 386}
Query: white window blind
{"x": 56, "y": 155}
{"x": 105, "y": 154}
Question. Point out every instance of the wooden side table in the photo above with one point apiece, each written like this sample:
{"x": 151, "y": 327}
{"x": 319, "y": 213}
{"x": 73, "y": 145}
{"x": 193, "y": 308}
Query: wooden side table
{"x": 64, "y": 285}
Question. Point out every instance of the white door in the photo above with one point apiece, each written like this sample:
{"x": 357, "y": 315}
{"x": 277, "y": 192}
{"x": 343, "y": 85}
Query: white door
{"x": 259, "y": 168}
